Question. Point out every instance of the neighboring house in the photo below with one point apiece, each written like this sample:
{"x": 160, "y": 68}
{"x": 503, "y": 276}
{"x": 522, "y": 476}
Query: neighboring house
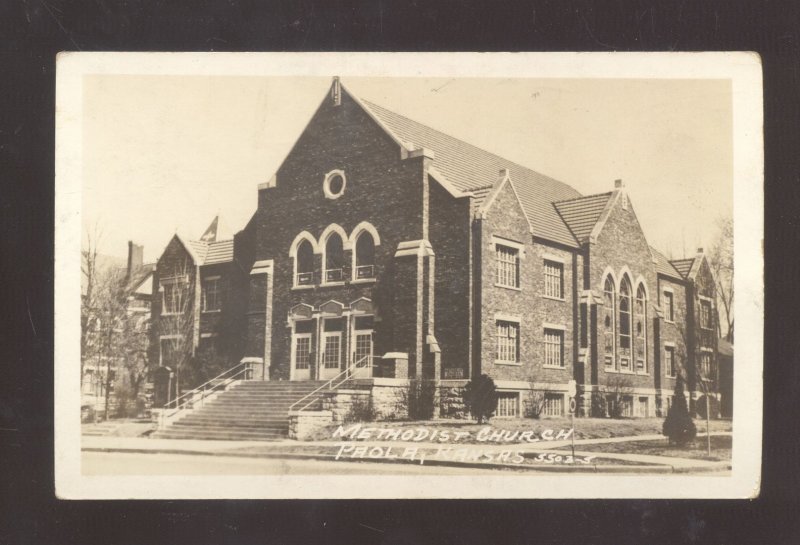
{"x": 135, "y": 283}
{"x": 725, "y": 357}
{"x": 198, "y": 296}
{"x": 387, "y": 245}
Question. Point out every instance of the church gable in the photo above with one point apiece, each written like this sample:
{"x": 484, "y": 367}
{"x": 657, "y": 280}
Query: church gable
{"x": 341, "y": 135}
{"x": 620, "y": 244}
{"x": 504, "y": 211}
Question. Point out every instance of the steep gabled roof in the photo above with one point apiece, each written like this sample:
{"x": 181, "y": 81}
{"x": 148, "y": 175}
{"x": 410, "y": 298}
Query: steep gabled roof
{"x": 581, "y": 214}
{"x": 469, "y": 168}
{"x": 209, "y": 253}
{"x": 220, "y": 251}
{"x": 683, "y": 266}
{"x": 139, "y": 276}
{"x": 664, "y": 266}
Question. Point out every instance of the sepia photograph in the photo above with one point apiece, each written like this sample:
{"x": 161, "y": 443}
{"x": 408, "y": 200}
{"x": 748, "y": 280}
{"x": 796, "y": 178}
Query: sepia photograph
{"x": 408, "y": 275}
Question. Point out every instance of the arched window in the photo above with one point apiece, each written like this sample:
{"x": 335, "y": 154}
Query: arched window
{"x": 334, "y": 258}
{"x": 625, "y": 316}
{"x": 304, "y": 264}
{"x": 641, "y": 329}
{"x": 609, "y": 296}
{"x": 365, "y": 256}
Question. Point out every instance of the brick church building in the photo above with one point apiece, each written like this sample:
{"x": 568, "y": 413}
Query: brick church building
{"x": 386, "y": 247}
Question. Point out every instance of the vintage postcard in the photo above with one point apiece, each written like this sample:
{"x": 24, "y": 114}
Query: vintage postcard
{"x": 336, "y": 275}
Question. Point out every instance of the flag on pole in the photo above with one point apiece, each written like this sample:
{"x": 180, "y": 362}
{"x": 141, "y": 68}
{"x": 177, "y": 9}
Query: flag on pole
{"x": 211, "y": 233}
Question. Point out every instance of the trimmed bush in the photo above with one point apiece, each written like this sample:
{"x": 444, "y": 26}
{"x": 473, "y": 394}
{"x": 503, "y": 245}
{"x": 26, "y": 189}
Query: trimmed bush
{"x": 679, "y": 426}
{"x": 534, "y": 404}
{"x": 361, "y": 410}
{"x": 418, "y": 399}
{"x": 480, "y": 397}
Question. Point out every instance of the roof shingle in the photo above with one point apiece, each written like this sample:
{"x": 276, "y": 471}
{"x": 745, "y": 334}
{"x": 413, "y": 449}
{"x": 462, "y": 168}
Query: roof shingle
{"x": 209, "y": 253}
{"x": 581, "y": 214}
{"x": 663, "y": 265}
{"x": 469, "y": 168}
{"x": 683, "y": 266}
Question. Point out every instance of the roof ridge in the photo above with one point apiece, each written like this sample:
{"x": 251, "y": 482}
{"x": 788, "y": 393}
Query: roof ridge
{"x": 607, "y": 193}
{"x": 465, "y": 143}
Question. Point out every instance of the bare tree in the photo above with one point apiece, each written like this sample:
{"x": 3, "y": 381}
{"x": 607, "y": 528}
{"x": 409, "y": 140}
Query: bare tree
{"x": 618, "y": 391}
{"x": 702, "y": 376}
{"x": 176, "y": 324}
{"x": 720, "y": 259}
{"x": 113, "y": 338}
{"x": 89, "y": 278}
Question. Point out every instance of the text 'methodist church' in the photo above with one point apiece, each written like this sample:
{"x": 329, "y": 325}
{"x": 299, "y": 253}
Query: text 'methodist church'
{"x": 389, "y": 248}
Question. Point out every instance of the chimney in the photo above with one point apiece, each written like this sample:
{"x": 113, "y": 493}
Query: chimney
{"x": 699, "y": 250}
{"x": 135, "y": 258}
{"x": 504, "y": 173}
{"x": 620, "y": 186}
{"x": 336, "y": 91}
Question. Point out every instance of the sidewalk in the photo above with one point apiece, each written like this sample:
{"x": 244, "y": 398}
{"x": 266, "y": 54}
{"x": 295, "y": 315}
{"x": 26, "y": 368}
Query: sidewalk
{"x": 299, "y": 450}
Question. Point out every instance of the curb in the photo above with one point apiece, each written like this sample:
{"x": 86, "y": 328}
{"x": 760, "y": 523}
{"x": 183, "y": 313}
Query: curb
{"x": 591, "y": 468}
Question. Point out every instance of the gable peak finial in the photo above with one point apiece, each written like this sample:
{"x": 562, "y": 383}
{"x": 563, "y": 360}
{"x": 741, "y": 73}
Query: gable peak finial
{"x": 336, "y": 91}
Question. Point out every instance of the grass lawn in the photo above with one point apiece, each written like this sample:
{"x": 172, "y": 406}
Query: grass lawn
{"x": 585, "y": 428}
{"x": 720, "y": 448}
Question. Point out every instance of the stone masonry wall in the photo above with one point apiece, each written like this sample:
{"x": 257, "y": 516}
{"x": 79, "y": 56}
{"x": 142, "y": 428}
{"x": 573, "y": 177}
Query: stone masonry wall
{"x": 381, "y": 188}
{"x": 450, "y": 237}
{"x": 622, "y": 249}
{"x": 506, "y": 220}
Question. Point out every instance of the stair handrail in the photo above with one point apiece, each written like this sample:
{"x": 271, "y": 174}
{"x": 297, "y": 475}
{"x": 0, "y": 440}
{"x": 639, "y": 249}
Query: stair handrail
{"x": 329, "y": 384}
{"x": 190, "y": 396}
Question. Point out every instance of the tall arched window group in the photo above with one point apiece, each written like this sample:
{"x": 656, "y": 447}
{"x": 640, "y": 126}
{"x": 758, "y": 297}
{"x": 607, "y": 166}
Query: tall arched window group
{"x": 624, "y": 324}
{"x": 333, "y": 244}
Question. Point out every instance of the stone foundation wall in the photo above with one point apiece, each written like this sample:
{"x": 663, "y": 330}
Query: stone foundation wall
{"x": 451, "y": 402}
{"x": 304, "y": 424}
{"x": 388, "y": 401}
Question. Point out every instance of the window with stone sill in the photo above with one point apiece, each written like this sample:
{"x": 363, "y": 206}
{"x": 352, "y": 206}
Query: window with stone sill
{"x": 669, "y": 306}
{"x": 212, "y": 295}
{"x": 625, "y": 314}
{"x": 507, "y": 266}
{"x": 334, "y": 259}
{"x": 553, "y": 348}
{"x": 553, "y": 279}
{"x": 705, "y": 314}
{"x": 304, "y": 264}
{"x": 365, "y": 256}
{"x": 669, "y": 361}
{"x": 507, "y": 342}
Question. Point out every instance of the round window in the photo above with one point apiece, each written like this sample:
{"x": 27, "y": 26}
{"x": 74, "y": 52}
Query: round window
{"x": 334, "y": 184}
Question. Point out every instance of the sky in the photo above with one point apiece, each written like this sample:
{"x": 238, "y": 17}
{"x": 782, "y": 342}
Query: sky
{"x": 165, "y": 154}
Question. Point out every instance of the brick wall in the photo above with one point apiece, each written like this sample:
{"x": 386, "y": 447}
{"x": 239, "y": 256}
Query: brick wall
{"x": 450, "y": 237}
{"x": 506, "y": 220}
{"x": 381, "y": 188}
{"x": 621, "y": 247}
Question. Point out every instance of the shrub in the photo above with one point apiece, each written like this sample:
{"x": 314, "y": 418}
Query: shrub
{"x": 678, "y": 426}
{"x": 480, "y": 397}
{"x": 700, "y": 406}
{"x": 421, "y": 400}
{"x": 361, "y": 410}
{"x": 599, "y": 406}
{"x": 618, "y": 394}
{"x": 534, "y": 404}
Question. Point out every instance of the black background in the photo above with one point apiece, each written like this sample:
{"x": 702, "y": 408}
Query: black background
{"x": 33, "y": 31}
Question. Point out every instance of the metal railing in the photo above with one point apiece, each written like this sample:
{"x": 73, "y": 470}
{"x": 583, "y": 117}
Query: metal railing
{"x": 304, "y": 279}
{"x": 365, "y": 271}
{"x": 332, "y": 384}
{"x": 334, "y": 275}
{"x": 188, "y": 400}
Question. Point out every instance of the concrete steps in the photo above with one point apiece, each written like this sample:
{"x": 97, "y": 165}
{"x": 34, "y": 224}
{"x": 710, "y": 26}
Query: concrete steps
{"x": 252, "y": 410}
